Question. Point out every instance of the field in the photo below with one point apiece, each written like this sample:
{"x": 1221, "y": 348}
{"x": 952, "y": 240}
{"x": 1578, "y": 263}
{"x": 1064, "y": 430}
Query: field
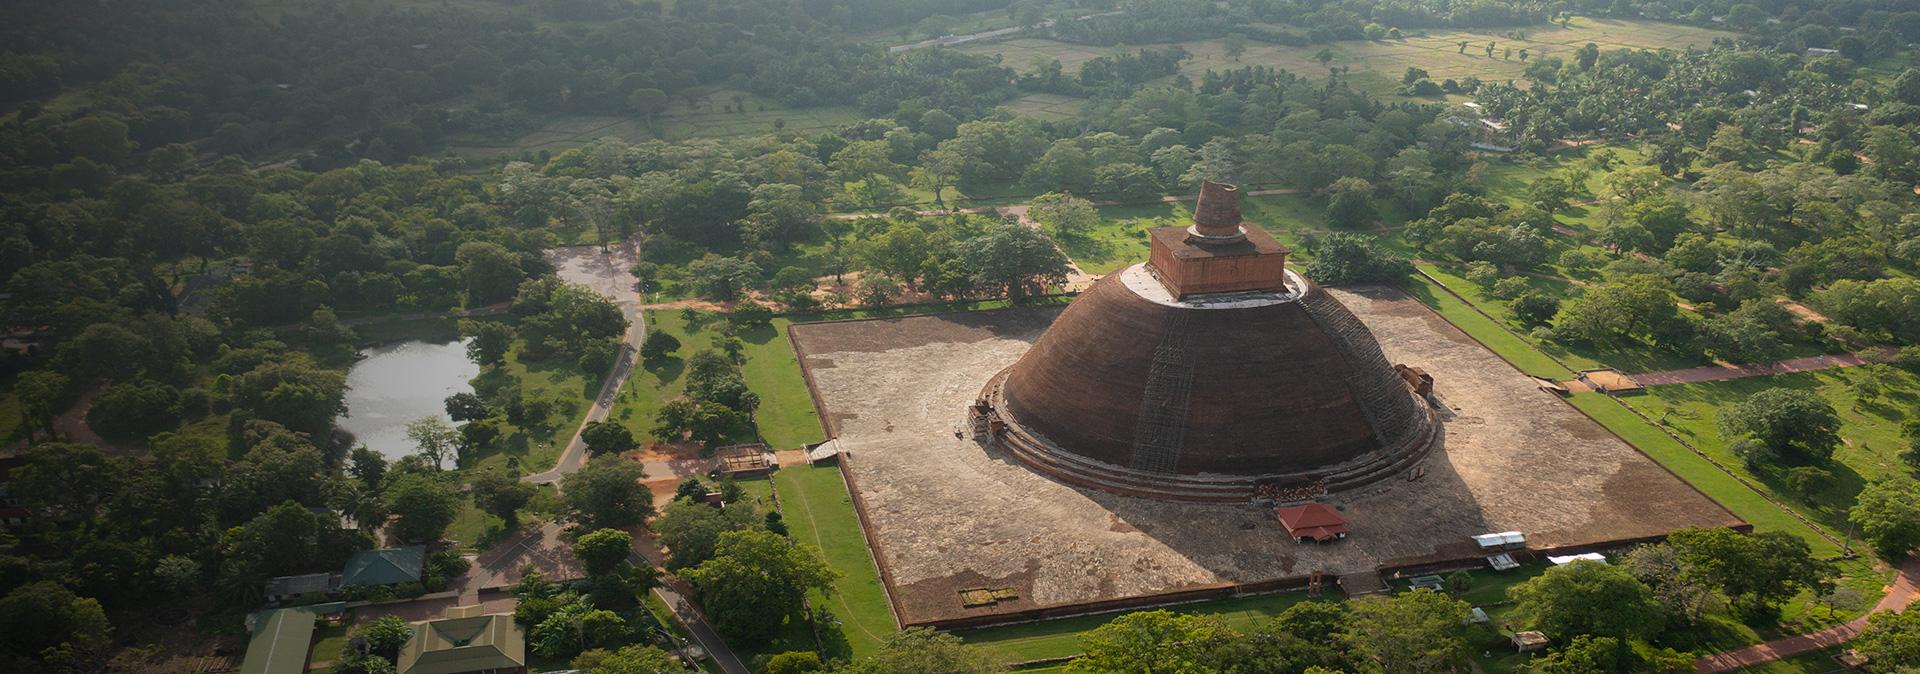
{"x": 1378, "y": 66}
{"x": 1046, "y": 106}
{"x": 785, "y": 420}
{"x": 1870, "y": 428}
{"x": 819, "y": 512}
{"x": 700, "y": 113}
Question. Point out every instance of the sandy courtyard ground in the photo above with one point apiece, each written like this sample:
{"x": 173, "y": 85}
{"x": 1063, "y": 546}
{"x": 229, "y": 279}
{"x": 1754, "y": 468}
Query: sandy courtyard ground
{"x": 949, "y": 514}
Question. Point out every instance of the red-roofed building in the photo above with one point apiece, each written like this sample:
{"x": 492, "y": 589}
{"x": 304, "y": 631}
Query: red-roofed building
{"x": 1312, "y": 523}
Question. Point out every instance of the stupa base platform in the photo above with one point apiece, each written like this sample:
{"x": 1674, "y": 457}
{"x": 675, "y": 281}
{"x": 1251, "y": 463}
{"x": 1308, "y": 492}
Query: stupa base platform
{"x": 1006, "y": 432}
{"x": 948, "y": 516}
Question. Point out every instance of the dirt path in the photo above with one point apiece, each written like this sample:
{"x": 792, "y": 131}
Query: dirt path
{"x": 1725, "y": 372}
{"x": 1898, "y": 596}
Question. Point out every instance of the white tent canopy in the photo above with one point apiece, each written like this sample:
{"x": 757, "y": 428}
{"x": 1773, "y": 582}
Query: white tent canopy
{"x": 1564, "y": 560}
{"x": 1500, "y": 540}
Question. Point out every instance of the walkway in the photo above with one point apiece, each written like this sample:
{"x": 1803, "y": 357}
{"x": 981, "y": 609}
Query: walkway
{"x": 1898, "y": 596}
{"x": 1725, "y": 372}
{"x": 673, "y": 592}
{"x": 606, "y": 273}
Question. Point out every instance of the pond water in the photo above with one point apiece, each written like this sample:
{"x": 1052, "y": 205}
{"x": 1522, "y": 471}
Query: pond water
{"x": 394, "y": 384}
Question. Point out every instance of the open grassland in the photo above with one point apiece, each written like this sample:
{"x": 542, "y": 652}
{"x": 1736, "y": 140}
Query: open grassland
{"x": 820, "y": 514}
{"x": 1379, "y": 65}
{"x": 1046, "y": 106}
{"x": 786, "y": 416}
{"x": 698, "y": 113}
{"x": 1061, "y": 638}
{"x": 1871, "y": 401}
{"x": 537, "y": 446}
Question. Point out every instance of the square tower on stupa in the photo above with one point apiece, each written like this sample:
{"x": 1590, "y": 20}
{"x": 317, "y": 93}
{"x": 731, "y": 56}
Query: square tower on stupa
{"x": 1218, "y": 253}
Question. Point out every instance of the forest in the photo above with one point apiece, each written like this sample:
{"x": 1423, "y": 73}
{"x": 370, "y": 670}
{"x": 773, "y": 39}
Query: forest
{"x": 212, "y": 206}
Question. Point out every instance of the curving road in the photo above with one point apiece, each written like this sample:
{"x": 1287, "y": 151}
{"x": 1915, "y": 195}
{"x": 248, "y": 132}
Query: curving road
{"x": 604, "y": 271}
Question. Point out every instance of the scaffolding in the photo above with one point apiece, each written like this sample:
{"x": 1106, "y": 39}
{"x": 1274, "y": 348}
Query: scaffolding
{"x": 1161, "y": 429}
{"x": 1381, "y": 391}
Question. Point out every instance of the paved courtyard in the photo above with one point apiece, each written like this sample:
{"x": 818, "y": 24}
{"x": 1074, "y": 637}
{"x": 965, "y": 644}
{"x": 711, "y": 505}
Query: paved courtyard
{"x": 949, "y": 514}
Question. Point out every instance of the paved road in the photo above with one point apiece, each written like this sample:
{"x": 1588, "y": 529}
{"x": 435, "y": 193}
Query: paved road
{"x": 606, "y": 273}
{"x": 1898, "y": 596}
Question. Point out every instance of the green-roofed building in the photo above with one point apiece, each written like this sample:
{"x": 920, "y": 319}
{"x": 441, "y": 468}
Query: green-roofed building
{"x": 465, "y": 642}
{"x": 386, "y": 566}
{"x": 281, "y": 639}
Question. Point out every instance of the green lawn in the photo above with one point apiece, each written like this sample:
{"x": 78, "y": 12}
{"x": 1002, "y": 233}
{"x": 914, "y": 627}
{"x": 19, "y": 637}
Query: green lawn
{"x": 1488, "y": 332}
{"x": 1744, "y": 502}
{"x": 819, "y": 513}
{"x": 329, "y": 642}
{"x": 1061, "y": 638}
{"x": 786, "y": 417}
{"x": 558, "y": 380}
{"x": 1870, "y": 429}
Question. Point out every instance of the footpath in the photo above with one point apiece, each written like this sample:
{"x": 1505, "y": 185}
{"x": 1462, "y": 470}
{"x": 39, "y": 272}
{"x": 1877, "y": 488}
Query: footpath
{"x": 1900, "y": 594}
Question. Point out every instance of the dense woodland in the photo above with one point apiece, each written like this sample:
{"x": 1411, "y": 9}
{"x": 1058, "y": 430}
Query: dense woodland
{"x": 202, "y": 197}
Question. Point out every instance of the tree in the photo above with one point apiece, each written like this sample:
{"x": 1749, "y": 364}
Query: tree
{"x": 39, "y": 392}
{"x": 1532, "y": 308}
{"x": 722, "y": 278}
{"x": 490, "y": 271}
{"x": 294, "y": 393}
{"x": 68, "y": 482}
{"x": 1013, "y": 259}
{"x": 45, "y": 622}
{"x": 1588, "y": 597}
{"x": 919, "y": 650}
{"x": 603, "y": 552}
{"x": 1346, "y": 257}
{"x": 606, "y": 437}
{"x": 1888, "y": 514}
{"x": 1754, "y": 570}
{"x": 795, "y": 662}
{"x": 657, "y": 346}
{"x": 426, "y": 506}
{"x": 498, "y": 493}
{"x": 434, "y": 438}
{"x": 755, "y": 582}
{"x": 135, "y": 408}
{"x": 1786, "y": 421}
{"x": 1350, "y": 202}
{"x": 647, "y": 103}
{"x": 607, "y": 493}
{"x": 1638, "y": 306}
{"x": 385, "y": 635}
{"x": 634, "y": 659}
{"x": 690, "y": 530}
{"x": 468, "y": 406}
{"x": 1892, "y": 638}
{"x": 1586, "y": 654}
{"x": 1064, "y": 214}
{"x": 98, "y": 138}
{"x": 1549, "y": 193}
{"x": 1152, "y": 641}
{"x": 1234, "y": 44}
{"x": 488, "y": 341}
{"x": 1414, "y": 632}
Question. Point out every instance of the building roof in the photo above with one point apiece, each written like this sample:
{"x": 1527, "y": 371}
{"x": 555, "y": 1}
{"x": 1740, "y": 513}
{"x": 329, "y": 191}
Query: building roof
{"x": 1312, "y": 520}
{"x": 279, "y": 643}
{"x": 312, "y": 583}
{"x": 1611, "y": 380}
{"x": 1502, "y": 539}
{"x": 385, "y": 566}
{"x": 463, "y": 643}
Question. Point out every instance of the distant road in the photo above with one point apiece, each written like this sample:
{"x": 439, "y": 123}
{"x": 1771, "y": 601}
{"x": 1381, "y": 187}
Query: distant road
{"x": 606, "y": 273}
{"x": 948, "y": 40}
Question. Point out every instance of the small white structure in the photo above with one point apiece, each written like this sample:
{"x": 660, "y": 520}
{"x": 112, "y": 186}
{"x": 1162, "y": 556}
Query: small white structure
{"x": 1505, "y": 540}
{"x": 1502, "y": 562}
{"x": 1563, "y": 560}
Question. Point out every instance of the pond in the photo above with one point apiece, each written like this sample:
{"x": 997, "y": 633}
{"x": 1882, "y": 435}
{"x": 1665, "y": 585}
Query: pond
{"x": 394, "y": 384}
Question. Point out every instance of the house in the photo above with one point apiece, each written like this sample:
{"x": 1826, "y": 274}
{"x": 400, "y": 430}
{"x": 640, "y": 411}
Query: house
{"x": 385, "y": 566}
{"x": 280, "y": 641}
{"x": 465, "y": 642}
{"x": 1312, "y": 523}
